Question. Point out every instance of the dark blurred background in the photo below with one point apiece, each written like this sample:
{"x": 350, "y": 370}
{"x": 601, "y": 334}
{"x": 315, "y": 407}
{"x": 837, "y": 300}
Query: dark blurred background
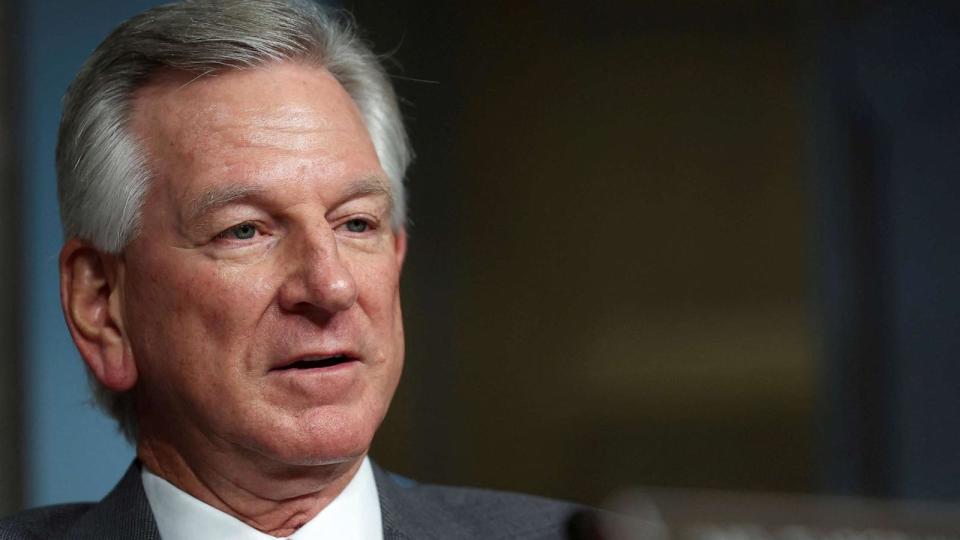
{"x": 685, "y": 244}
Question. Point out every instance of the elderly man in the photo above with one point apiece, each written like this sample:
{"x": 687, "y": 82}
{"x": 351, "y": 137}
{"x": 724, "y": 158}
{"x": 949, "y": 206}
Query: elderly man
{"x": 230, "y": 182}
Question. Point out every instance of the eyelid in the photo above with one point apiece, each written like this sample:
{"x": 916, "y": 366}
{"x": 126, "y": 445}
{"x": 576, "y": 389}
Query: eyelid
{"x": 372, "y": 226}
{"x": 370, "y": 220}
{"x": 223, "y": 235}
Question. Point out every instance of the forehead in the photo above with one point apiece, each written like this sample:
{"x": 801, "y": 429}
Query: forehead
{"x": 249, "y": 123}
{"x": 284, "y": 95}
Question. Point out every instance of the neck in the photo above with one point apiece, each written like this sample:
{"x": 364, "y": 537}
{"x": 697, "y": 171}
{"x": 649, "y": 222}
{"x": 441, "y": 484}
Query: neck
{"x": 273, "y": 498}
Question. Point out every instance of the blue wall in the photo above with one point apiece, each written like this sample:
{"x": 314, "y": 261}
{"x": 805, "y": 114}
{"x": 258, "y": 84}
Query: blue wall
{"x": 72, "y": 451}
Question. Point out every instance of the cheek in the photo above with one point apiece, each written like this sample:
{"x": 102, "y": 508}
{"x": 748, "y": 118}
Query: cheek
{"x": 182, "y": 311}
{"x": 237, "y": 294}
{"x": 378, "y": 291}
{"x": 379, "y": 299}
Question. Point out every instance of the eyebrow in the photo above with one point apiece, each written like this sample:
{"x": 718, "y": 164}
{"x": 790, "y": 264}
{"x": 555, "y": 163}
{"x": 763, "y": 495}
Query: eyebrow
{"x": 218, "y": 197}
{"x": 366, "y": 187}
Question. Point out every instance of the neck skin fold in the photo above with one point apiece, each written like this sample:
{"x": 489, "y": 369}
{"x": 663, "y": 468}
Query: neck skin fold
{"x": 276, "y": 499}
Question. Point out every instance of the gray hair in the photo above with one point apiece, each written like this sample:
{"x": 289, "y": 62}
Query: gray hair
{"x": 102, "y": 173}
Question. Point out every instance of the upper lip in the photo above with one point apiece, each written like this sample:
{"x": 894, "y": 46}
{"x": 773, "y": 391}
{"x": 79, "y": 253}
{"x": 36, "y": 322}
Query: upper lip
{"x": 315, "y": 356}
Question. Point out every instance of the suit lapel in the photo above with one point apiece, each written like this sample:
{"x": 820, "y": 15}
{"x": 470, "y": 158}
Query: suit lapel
{"x": 408, "y": 515}
{"x": 391, "y": 502}
{"x": 123, "y": 514}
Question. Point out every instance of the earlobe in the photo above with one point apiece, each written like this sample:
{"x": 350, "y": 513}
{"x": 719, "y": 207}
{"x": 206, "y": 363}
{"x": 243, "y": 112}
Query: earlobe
{"x": 90, "y": 292}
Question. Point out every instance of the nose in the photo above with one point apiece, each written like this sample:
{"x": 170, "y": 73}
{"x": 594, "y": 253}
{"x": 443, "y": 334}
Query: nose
{"x": 318, "y": 281}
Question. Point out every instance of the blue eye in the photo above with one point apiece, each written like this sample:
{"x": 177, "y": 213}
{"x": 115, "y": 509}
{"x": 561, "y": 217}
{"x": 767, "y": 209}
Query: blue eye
{"x": 243, "y": 231}
{"x": 357, "y": 226}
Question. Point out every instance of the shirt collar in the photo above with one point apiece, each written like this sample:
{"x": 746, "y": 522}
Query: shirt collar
{"x": 352, "y": 515}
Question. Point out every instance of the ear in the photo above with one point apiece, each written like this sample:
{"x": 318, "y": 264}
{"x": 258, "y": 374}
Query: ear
{"x": 90, "y": 292}
{"x": 400, "y": 245}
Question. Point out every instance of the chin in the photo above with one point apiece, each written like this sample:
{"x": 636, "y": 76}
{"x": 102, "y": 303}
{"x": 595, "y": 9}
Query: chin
{"x": 321, "y": 439}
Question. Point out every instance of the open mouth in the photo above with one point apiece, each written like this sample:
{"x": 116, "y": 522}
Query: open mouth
{"x": 316, "y": 363}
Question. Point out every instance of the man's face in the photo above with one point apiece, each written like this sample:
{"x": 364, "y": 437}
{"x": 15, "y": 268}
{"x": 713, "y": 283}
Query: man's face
{"x": 260, "y": 298}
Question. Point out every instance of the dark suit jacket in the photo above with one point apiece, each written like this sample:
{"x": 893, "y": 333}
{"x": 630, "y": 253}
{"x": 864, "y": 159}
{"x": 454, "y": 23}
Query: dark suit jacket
{"x": 409, "y": 510}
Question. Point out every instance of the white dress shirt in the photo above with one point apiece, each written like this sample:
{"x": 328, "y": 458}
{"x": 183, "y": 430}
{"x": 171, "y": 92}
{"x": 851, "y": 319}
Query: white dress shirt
{"x": 353, "y": 515}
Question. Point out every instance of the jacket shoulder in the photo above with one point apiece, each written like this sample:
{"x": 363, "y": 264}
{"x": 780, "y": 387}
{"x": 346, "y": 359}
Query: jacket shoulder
{"x": 41, "y": 523}
{"x": 124, "y": 513}
{"x": 415, "y": 510}
{"x": 493, "y": 503}
{"x": 493, "y": 514}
